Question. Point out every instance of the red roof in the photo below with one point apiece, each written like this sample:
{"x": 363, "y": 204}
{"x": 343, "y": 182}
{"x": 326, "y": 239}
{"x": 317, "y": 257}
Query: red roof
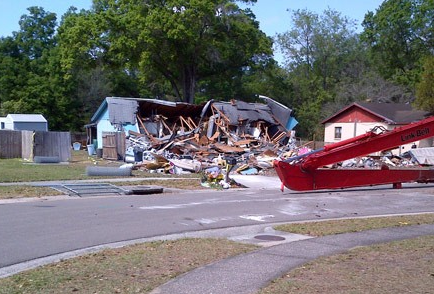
{"x": 391, "y": 113}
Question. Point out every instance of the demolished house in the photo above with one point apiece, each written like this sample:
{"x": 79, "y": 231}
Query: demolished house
{"x": 162, "y": 135}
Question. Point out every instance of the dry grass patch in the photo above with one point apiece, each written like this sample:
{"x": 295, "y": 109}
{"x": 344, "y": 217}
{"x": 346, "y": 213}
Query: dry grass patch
{"x": 330, "y": 227}
{"x": 133, "y": 269}
{"x": 397, "y": 267}
{"x": 13, "y": 192}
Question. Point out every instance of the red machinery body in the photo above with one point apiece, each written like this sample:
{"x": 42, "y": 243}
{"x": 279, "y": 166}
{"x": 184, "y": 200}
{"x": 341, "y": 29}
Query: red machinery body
{"x": 306, "y": 172}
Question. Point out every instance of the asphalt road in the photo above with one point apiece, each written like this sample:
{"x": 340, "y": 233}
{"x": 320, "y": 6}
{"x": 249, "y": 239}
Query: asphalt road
{"x": 45, "y": 227}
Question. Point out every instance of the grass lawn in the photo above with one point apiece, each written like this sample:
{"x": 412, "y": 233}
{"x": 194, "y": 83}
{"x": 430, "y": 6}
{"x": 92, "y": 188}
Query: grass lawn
{"x": 331, "y": 227}
{"x": 18, "y": 170}
{"x": 133, "y": 269}
{"x": 397, "y": 267}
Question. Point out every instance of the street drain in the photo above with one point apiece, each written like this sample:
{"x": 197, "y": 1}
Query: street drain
{"x": 269, "y": 238}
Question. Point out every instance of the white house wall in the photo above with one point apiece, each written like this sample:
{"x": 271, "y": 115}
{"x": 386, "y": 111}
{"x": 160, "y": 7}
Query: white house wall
{"x": 350, "y": 130}
{"x": 103, "y": 126}
{"x": 9, "y": 124}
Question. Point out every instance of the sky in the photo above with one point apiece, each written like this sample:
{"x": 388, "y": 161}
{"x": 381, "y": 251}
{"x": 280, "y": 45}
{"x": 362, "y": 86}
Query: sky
{"x": 273, "y": 15}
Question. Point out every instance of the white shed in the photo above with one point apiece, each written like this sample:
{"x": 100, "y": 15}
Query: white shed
{"x": 21, "y": 122}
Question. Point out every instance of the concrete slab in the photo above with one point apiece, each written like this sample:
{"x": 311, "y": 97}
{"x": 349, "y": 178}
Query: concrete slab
{"x": 257, "y": 181}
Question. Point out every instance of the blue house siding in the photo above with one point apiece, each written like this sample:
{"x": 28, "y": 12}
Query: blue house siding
{"x": 104, "y": 125}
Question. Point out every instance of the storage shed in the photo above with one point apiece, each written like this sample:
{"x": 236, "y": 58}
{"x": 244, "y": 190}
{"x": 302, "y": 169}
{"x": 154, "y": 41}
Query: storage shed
{"x": 24, "y": 122}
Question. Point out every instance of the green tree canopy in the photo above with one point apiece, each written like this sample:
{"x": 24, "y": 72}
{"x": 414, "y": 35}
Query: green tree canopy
{"x": 167, "y": 42}
{"x": 425, "y": 88}
{"x": 399, "y": 34}
{"x": 321, "y": 51}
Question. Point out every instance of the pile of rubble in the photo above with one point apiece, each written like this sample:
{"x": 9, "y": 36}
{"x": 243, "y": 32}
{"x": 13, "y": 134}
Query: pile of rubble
{"x": 388, "y": 160}
{"x": 245, "y": 136}
{"x": 186, "y": 154}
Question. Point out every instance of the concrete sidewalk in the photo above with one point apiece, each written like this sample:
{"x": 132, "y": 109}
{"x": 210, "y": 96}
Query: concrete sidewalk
{"x": 248, "y": 273}
{"x": 257, "y": 182}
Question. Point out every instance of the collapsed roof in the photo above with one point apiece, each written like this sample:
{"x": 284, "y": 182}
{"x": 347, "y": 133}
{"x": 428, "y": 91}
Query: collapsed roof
{"x": 125, "y": 110}
{"x": 239, "y": 111}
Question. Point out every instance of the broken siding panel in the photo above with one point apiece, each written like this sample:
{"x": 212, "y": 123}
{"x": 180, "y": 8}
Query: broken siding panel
{"x": 122, "y": 111}
{"x": 424, "y": 156}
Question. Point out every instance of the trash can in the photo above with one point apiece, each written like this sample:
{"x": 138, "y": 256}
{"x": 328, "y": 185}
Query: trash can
{"x": 76, "y": 145}
{"x": 90, "y": 149}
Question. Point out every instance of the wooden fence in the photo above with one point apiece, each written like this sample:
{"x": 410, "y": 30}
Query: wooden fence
{"x": 10, "y": 144}
{"x": 113, "y": 145}
{"x": 311, "y": 144}
{"x": 28, "y": 144}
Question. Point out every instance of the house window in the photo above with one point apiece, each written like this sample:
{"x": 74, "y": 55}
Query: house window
{"x": 338, "y": 132}
{"x": 2, "y": 126}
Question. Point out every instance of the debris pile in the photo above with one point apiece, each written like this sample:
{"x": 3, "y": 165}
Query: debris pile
{"x": 377, "y": 162}
{"x": 413, "y": 158}
{"x": 244, "y": 136}
{"x": 213, "y": 139}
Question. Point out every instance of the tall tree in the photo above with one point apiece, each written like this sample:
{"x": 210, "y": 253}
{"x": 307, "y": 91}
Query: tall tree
{"x": 425, "y": 88}
{"x": 297, "y": 44}
{"x": 178, "y": 41}
{"x": 85, "y": 59}
{"x": 37, "y": 32}
{"x": 321, "y": 51}
{"x": 399, "y": 34}
{"x": 319, "y": 45}
{"x": 31, "y": 76}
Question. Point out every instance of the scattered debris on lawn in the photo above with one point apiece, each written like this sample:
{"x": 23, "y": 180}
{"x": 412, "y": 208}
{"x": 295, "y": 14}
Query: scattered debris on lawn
{"x": 217, "y": 138}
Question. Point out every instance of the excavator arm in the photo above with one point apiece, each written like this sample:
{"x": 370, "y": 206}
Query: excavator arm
{"x": 307, "y": 172}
